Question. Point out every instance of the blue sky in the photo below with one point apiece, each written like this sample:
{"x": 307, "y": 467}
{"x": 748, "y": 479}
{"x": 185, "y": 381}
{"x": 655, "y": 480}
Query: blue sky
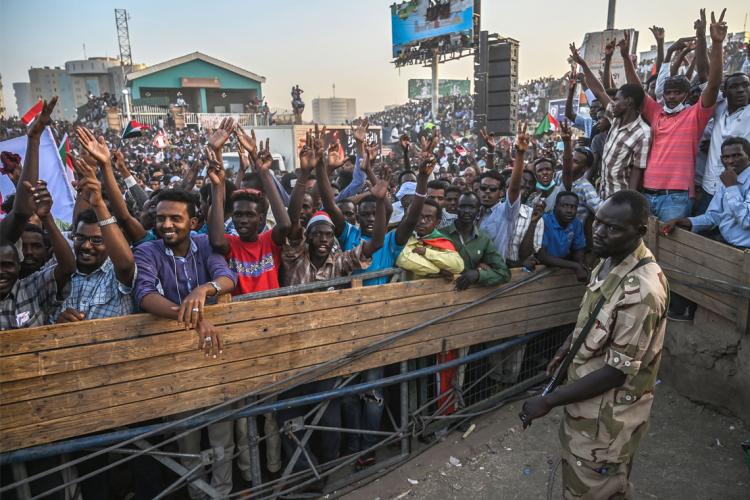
{"x": 314, "y": 43}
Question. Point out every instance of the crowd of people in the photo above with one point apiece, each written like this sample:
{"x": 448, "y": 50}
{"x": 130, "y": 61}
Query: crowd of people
{"x": 162, "y": 229}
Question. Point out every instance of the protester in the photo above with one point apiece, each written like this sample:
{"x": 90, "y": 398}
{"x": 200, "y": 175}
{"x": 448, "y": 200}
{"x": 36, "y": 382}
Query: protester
{"x": 730, "y": 119}
{"x": 564, "y": 241}
{"x": 27, "y": 302}
{"x": 677, "y": 127}
{"x": 36, "y": 249}
{"x": 626, "y": 147}
{"x": 177, "y": 274}
{"x": 729, "y": 210}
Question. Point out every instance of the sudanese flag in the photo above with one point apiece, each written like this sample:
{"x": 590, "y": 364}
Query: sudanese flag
{"x": 436, "y": 239}
{"x": 134, "y": 129}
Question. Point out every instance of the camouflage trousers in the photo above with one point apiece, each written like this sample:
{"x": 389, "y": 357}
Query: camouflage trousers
{"x": 584, "y": 480}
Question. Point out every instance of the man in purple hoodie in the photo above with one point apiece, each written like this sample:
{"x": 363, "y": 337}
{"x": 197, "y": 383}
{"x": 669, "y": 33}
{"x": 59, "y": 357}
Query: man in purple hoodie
{"x": 177, "y": 274}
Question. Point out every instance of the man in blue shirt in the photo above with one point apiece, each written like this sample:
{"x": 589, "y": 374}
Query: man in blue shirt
{"x": 729, "y": 210}
{"x": 564, "y": 242}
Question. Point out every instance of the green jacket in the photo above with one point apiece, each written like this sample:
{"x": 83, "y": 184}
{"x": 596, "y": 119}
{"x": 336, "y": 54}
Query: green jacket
{"x": 480, "y": 249}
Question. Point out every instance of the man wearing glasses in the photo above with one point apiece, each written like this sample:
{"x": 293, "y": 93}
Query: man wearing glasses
{"x": 105, "y": 268}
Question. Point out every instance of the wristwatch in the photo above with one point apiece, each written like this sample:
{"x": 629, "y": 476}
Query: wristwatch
{"x": 107, "y": 222}
{"x": 216, "y": 287}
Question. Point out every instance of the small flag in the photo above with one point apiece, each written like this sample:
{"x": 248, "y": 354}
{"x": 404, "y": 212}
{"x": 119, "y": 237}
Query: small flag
{"x": 64, "y": 152}
{"x": 33, "y": 112}
{"x": 548, "y": 124}
{"x": 134, "y": 129}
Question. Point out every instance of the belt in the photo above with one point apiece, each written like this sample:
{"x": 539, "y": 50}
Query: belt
{"x": 658, "y": 192}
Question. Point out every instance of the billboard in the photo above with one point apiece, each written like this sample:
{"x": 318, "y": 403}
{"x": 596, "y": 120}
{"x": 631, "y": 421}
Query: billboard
{"x": 592, "y": 51}
{"x": 422, "y": 88}
{"x": 413, "y": 21}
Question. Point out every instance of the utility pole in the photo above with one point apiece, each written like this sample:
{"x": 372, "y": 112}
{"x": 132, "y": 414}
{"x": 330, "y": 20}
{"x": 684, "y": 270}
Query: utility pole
{"x": 435, "y": 82}
{"x": 611, "y": 15}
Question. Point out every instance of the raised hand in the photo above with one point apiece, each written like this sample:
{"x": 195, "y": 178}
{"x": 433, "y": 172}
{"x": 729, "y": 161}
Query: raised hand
{"x": 658, "y": 33}
{"x": 429, "y": 145}
{"x": 488, "y": 138}
{"x": 575, "y": 55}
{"x": 522, "y": 139}
{"x": 624, "y": 44}
{"x": 91, "y": 190}
{"x": 700, "y": 24}
{"x": 120, "y": 161}
{"x": 360, "y": 133}
{"x": 718, "y": 28}
{"x": 247, "y": 142}
{"x": 572, "y": 80}
{"x": 220, "y": 136}
{"x": 44, "y": 118}
{"x": 380, "y": 190}
{"x": 427, "y": 163}
{"x": 83, "y": 168}
{"x": 372, "y": 152}
{"x": 565, "y": 131}
{"x": 404, "y": 142}
{"x": 264, "y": 161}
{"x": 215, "y": 170}
{"x": 97, "y": 148}
{"x": 42, "y": 198}
{"x": 609, "y": 48}
{"x": 243, "y": 156}
{"x": 335, "y": 159}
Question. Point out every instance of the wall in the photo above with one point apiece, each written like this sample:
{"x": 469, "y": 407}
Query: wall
{"x": 708, "y": 360}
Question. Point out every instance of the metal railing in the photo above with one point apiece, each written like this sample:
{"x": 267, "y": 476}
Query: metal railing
{"x": 212, "y": 120}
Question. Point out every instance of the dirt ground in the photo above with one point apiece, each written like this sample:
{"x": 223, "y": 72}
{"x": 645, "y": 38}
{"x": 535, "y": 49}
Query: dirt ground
{"x": 691, "y": 452}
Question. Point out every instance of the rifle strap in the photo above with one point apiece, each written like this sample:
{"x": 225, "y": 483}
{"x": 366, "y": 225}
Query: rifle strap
{"x": 563, "y": 370}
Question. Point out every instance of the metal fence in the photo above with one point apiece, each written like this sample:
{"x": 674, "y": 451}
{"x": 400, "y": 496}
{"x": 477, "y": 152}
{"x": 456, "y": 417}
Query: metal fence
{"x": 417, "y": 410}
{"x": 150, "y": 115}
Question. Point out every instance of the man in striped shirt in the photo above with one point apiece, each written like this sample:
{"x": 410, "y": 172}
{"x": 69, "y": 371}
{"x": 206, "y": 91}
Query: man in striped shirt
{"x": 627, "y": 145}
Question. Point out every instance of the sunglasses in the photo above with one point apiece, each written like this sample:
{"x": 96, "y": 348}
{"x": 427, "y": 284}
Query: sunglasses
{"x": 95, "y": 240}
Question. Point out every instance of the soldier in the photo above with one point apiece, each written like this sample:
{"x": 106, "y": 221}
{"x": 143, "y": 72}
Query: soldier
{"x": 610, "y": 382}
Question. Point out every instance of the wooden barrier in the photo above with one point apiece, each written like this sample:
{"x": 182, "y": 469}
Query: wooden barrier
{"x": 711, "y": 274}
{"x": 67, "y": 380}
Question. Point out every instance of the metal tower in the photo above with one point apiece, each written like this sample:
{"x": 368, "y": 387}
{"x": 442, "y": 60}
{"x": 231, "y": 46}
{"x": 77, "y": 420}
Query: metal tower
{"x": 123, "y": 38}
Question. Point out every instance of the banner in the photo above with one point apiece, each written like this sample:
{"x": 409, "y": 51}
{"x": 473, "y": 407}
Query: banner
{"x": 422, "y": 88}
{"x": 556, "y": 108}
{"x": 416, "y": 20}
{"x": 592, "y": 51}
{"x": 51, "y": 169}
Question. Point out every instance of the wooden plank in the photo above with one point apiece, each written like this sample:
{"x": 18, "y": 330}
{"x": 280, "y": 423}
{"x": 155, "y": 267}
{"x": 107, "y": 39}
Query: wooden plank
{"x": 705, "y": 300}
{"x": 49, "y": 362}
{"x": 56, "y": 429}
{"x": 706, "y": 246}
{"x": 712, "y": 265}
{"x": 669, "y": 259}
{"x": 26, "y": 389}
{"x": 335, "y": 340}
{"x": 139, "y": 325}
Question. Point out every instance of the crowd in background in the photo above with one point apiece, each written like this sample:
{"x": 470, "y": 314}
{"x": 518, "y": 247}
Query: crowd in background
{"x": 163, "y": 228}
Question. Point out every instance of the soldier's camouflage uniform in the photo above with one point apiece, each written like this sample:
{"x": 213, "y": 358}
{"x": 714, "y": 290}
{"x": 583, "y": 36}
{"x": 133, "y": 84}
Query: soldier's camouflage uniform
{"x": 600, "y": 435}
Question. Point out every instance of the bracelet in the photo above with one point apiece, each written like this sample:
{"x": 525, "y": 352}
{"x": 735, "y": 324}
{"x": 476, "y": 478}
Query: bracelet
{"x": 216, "y": 287}
{"x": 420, "y": 195}
{"x": 107, "y": 222}
{"x": 129, "y": 181}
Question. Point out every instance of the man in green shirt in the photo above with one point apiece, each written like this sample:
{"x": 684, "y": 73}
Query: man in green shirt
{"x": 483, "y": 265}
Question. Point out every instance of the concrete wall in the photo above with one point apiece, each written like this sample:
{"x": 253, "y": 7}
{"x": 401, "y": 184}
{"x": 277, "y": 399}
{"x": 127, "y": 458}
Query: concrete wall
{"x": 708, "y": 360}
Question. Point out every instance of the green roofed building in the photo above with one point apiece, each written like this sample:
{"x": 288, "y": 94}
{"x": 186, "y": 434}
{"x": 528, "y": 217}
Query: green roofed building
{"x": 206, "y": 84}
